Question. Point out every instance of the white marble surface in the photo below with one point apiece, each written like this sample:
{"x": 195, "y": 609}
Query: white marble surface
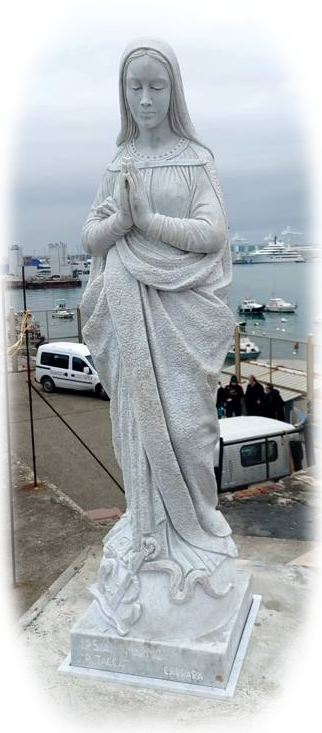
{"x": 158, "y": 327}
{"x": 220, "y": 692}
{"x": 204, "y": 660}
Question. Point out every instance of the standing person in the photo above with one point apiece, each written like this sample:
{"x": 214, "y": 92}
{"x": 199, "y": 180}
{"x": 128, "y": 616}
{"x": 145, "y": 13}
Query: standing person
{"x": 158, "y": 328}
{"x": 254, "y": 396}
{"x": 220, "y": 401}
{"x": 273, "y": 405}
{"x": 234, "y": 394}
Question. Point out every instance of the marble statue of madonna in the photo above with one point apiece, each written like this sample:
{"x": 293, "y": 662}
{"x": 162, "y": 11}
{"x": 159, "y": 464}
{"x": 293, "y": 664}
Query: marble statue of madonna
{"x": 158, "y": 328}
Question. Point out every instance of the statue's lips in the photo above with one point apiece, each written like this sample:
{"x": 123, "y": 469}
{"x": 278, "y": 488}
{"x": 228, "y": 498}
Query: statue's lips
{"x": 146, "y": 114}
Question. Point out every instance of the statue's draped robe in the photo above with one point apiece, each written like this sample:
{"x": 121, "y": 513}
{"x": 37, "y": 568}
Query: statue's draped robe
{"x": 158, "y": 328}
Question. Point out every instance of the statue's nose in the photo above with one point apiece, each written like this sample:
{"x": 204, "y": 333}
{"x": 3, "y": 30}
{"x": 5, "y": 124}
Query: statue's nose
{"x": 145, "y": 99}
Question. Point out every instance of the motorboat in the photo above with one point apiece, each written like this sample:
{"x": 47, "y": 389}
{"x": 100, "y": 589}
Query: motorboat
{"x": 278, "y": 305}
{"x": 250, "y": 306}
{"x": 247, "y": 349}
{"x": 61, "y": 311}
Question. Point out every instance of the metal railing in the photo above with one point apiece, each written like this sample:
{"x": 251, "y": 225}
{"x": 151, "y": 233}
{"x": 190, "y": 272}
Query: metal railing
{"x": 271, "y": 366}
{"x": 293, "y": 373}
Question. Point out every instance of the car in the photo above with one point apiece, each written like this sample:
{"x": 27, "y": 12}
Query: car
{"x": 67, "y": 365}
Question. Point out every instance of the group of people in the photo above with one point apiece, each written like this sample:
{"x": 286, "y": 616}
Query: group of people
{"x": 232, "y": 401}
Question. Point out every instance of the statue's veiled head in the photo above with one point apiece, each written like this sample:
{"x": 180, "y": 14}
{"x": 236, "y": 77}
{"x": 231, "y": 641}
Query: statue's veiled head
{"x": 154, "y": 59}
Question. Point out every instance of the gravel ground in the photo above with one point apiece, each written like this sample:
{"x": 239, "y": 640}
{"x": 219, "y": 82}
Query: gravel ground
{"x": 49, "y": 534}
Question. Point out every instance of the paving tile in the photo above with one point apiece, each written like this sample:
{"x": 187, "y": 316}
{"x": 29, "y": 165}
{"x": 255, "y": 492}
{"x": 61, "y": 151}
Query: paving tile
{"x": 312, "y": 559}
{"x": 103, "y": 514}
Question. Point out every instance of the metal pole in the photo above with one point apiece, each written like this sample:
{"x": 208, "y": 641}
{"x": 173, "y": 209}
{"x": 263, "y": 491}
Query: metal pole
{"x": 270, "y": 359}
{"x": 6, "y": 385}
{"x": 218, "y": 469}
{"x": 266, "y": 457}
{"x": 310, "y": 374}
{"x": 47, "y": 325}
{"x": 309, "y": 443}
{"x": 13, "y": 338}
{"x": 29, "y": 384}
{"x": 237, "y": 352}
{"x": 79, "y": 325}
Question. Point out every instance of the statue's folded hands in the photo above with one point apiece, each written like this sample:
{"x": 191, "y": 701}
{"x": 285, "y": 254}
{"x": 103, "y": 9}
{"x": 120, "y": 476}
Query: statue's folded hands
{"x": 108, "y": 222}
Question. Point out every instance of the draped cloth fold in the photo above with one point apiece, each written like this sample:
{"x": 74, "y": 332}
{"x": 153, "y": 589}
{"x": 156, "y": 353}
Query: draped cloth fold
{"x": 158, "y": 328}
{"x": 158, "y": 333}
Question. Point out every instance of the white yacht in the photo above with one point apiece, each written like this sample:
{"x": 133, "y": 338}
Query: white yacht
{"x": 248, "y": 305}
{"x": 278, "y": 305}
{"x": 274, "y": 251}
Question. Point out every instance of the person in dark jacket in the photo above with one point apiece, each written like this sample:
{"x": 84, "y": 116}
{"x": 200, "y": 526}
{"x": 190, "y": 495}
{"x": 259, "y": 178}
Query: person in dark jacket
{"x": 234, "y": 394}
{"x": 220, "y": 403}
{"x": 254, "y": 396}
{"x": 273, "y": 403}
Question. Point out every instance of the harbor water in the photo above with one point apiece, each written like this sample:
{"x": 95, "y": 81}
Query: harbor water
{"x": 292, "y": 281}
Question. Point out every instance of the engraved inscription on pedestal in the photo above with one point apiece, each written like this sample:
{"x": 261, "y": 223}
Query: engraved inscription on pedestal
{"x": 204, "y": 661}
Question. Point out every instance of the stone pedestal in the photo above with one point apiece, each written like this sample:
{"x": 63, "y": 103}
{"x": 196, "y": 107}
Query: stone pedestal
{"x": 205, "y": 660}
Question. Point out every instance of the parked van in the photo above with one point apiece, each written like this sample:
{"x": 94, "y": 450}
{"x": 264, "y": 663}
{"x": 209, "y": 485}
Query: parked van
{"x": 254, "y": 449}
{"x": 67, "y": 365}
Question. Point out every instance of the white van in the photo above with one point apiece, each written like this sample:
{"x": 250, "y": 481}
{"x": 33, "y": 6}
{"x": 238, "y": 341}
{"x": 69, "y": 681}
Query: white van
{"x": 254, "y": 449}
{"x": 67, "y": 365}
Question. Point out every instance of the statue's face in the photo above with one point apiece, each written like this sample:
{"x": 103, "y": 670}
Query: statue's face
{"x": 148, "y": 90}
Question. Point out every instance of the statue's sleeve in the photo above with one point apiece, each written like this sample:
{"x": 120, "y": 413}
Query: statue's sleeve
{"x": 205, "y": 230}
{"x": 100, "y": 232}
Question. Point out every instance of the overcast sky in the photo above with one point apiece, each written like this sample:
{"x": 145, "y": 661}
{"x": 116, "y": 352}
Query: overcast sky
{"x": 242, "y": 98}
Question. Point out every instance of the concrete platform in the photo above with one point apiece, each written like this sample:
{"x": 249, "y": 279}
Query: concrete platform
{"x": 275, "y": 648}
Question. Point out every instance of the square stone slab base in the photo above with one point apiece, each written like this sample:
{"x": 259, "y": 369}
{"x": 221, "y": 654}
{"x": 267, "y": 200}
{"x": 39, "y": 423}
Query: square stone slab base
{"x": 279, "y": 688}
{"x": 216, "y": 692}
{"x": 203, "y": 666}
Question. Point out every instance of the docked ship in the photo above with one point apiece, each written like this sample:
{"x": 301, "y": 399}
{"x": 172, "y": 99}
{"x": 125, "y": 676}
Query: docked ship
{"x": 275, "y": 250}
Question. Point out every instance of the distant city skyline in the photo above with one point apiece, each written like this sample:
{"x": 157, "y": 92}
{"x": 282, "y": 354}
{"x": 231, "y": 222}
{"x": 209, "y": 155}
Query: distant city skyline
{"x": 242, "y": 101}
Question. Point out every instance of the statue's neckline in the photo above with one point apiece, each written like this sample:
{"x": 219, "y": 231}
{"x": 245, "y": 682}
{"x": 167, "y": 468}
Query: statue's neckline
{"x": 171, "y": 153}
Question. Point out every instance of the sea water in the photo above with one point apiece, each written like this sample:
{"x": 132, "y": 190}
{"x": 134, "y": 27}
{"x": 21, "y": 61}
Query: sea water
{"x": 292, "y": 281}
